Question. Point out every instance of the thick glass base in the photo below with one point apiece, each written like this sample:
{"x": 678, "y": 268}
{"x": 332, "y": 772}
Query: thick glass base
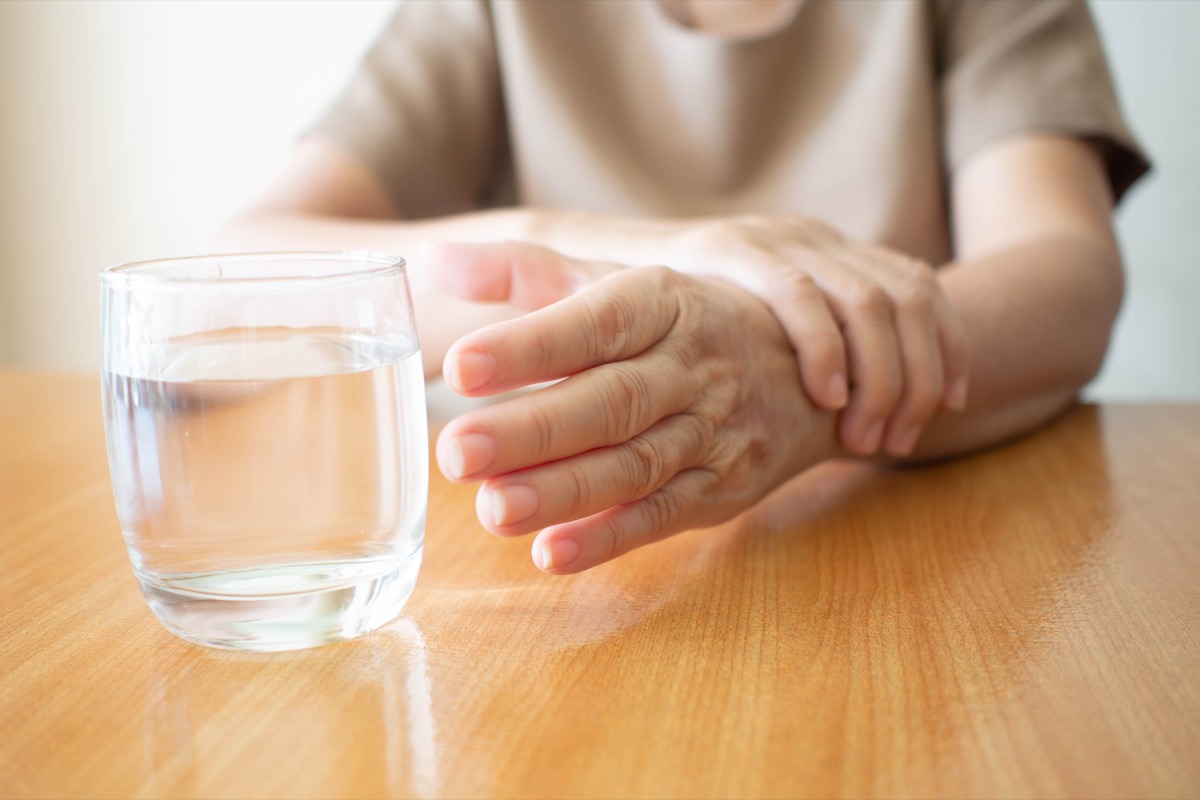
{"x": 286, "y": 607}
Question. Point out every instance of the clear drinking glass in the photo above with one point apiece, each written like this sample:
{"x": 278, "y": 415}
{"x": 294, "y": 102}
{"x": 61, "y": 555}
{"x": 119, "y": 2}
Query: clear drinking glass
{"x": 265, "y": 416}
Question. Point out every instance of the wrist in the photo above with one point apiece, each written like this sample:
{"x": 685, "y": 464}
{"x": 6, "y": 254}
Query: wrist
{"x": 801, "y": 433}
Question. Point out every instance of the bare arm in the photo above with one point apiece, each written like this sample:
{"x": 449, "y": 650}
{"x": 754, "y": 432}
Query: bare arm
{"x": 813, "y": 279}
{"x": 1038, "y": 283}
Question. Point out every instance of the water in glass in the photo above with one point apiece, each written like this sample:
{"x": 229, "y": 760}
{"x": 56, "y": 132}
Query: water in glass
{"x": 271, "y": 483}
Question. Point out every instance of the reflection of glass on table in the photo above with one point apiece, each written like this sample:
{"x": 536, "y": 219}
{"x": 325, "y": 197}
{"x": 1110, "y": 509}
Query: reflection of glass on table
{"x": 368, "y": 728}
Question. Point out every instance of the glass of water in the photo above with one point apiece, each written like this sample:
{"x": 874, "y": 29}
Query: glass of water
{"x": 265, "y": 417}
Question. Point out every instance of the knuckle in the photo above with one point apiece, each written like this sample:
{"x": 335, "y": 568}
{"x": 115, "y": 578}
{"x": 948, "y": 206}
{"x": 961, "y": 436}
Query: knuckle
{"x": 796, "y": 300}
{"x": 645, "y": 467}
{"x": 578, "y": 491}
{"x": 660, "y": 278}
{"x": 701, "y": 432}
{"x": 869, "y": 300}
{"x": 655, "y": 296}
{"x": 660, "y": 511}
{"x": 625, "y": 402}
{"x": 916, "y": 270}
{"x": 916, "y": 294}
{"x": 607, "y": 320}
{"x": 798, "y": 286}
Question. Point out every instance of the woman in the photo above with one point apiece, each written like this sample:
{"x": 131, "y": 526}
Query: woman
{"x": 851, "y": 212}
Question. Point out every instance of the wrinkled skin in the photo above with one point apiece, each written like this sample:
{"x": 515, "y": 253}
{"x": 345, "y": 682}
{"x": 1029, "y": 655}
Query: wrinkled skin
{"x": 681, "y": 407}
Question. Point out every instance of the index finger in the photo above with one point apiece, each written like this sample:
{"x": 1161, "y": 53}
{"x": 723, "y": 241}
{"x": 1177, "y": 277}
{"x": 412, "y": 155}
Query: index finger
{"x": 615, "y": 319}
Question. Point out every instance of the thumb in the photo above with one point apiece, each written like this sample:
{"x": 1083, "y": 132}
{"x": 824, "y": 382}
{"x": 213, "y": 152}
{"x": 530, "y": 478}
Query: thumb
{"x": 526, "y": 276}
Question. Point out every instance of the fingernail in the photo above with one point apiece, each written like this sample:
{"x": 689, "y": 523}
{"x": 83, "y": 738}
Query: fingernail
{"x": 470, "y": 371}
{"x": 513, "y": 504}
{"x": 872, "y": 437}
{"x": 557, "y": 553}
{"x": 904, "y": 443}
{"x": 837, "y": 390}
{"x": 956, "y": 398}
{"x": 468, "y": 454}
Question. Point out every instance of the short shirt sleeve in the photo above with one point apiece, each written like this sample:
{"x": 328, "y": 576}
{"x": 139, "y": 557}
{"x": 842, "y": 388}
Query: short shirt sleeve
{"x": 424, "y": 111}
{"x": 1018, "y": 66}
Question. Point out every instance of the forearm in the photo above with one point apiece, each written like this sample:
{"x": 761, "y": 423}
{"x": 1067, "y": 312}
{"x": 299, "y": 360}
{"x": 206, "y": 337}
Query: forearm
{"x": 441, "y": 318}
{"x": 1039, "y": 318}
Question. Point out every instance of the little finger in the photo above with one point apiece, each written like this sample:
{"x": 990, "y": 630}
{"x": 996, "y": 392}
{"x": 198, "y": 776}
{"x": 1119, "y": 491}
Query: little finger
{"x": 585, "y": 543}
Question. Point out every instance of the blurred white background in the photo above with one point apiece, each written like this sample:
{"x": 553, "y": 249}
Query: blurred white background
{"x": 132, "y": 129}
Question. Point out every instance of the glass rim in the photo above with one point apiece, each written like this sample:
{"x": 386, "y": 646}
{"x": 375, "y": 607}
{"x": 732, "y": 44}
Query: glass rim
{"x": 360, "y": 264}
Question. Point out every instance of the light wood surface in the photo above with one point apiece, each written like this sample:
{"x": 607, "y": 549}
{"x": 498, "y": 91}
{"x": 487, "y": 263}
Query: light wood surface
{"x": 1024, "y": 622}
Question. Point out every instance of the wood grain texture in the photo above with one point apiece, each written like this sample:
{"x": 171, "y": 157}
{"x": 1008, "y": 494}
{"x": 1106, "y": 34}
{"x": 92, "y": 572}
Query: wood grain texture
{"x": 1024, "y": 622}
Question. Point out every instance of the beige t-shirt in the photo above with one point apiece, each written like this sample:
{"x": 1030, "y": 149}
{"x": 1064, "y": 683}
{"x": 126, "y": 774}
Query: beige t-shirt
{"x": 854, "y": 113}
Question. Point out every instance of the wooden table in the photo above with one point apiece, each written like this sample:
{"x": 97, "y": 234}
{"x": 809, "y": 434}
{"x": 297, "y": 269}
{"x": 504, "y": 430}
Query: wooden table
{"x": 1025, "y": 622}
